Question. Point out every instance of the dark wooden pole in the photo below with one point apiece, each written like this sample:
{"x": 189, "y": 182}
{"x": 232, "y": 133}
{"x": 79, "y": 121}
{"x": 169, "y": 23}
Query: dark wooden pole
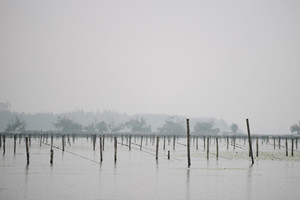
{"x": 188, "y": 141}
{"x": 279, "y": 141}
{"x": 164, "y": 146}
{"x": 51, "y": 151}
{"x": 292, "y": 147}
{"x": 249, "y": 139}
{"x": 257, "y": 147}
{"x": 168, "y": 154}
{"x": 274, "y": 143}
{"x": 15, "y": 143}
{"x": 27, "y": 150}
{"x": 197, "y": 146}
{"x": 63, "y": 142}
{"x": 217, "y": 146}
{"x": 94, "y": 142}
{"x": 286, "y": 147}
{"x": 207, "y": 148}
{"x": 4, "y": 144}
{"x": 130, "y": 143}
{"x": 157, "y": 145}
{"x": 101, "y": 149}
{"x": 115, "y": 139}
{"x": 0, "y": 141}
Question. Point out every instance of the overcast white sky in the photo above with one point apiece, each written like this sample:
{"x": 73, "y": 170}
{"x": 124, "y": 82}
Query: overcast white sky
{"x": 223, "y": 59}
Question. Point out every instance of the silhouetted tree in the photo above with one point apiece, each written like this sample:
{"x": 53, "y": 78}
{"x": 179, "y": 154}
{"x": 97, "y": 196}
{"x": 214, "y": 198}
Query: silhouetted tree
{"x": 206, "y": 127}
{"x": 67, "y": 125}
{"x": 138, "y": 125}
{"x": 234, "y": 128}
{"x": 102, "y": 127}
{"x": 172, "y": 128}
{"x": 295, "y": 128}
{"x": 16, "y": 125}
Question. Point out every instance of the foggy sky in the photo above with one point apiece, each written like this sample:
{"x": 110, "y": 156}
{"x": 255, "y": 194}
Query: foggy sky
{"x": 223, "y": 59}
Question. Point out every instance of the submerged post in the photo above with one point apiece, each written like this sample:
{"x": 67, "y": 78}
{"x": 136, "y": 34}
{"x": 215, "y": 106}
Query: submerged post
{"x": 51, "y": 151}
{"x": 15, "y": 143}
{"x": 63, "y": 142}
{"x": 174, "y": 140}
{"x": 141, "y": 143}
{"x": 188, "y": 141}
{"x": 157, "y": 145}
{"x": 115, "y": 139}
{"x": 217, "y": 146}
{"x": 286, "y": 147}
{"x": 207, "y": 148}
{"x": 292, "y": 147}
{"x": 94, "y": 142}
{"x": 257, "y": 147}
{"x": 27, "y": 150}
{"x": 3, "y": 144}
{"x": 168, "y": 154}
{"x": 101, "y": 149}
{"x": 130, "y": 143}
{"x": 250, "y": 143}
{"x": 164, "y": 146}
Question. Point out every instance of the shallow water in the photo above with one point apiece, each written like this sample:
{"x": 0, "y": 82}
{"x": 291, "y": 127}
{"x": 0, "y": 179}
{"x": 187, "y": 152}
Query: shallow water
{"x": 77, "y": 173}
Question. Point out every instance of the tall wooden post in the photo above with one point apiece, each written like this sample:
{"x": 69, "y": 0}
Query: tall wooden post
{"x": 188, "y": 142}
{"x": 27, "y": 150}
{"x": 129, "y": 142}
{"x": 279, "y": 141}
{"x": 197, "y": 143}
{"x": 168, "y": 154}
{"x": 4, "y": 144}
{"x": 63, "y": 142}
{"x": 94, "y": 142}
{"x": 0, "y": 141}
{"x": 101, "y": 149}
{"x": 217, "y": 146}
{"x": 286, "y": 147}
{"x": 51, "y": 151}
{"x": 164, "y": 146}
{"x": 249, "y": 139}
{"x": 157, "y": 145}
{"x": 15, "y": 143}
{"x": 292, "y": 147}
{"x": 274, "y": 143}
{"x": 115, "y": 139}
{"x": 207, "y": 148}
{"x": 257, "y": 147}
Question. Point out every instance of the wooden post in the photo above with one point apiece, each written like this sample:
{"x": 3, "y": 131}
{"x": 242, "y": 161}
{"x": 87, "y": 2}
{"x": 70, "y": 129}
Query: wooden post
{"x": 274, "y": 143}
{"x": 101, "y": 149}
{"x": 63, "y": 142}
{"x": 188, "y": 141}
{"x": 15, "y": 143}
{"x": 41, "y": 138}
{"x": 168, "y": 154}
{"x": 115, "y": 139}
{"x": 30, "y": 140}
{"x": 204, "y": 142}
{"x": 249, "y": 139}
{"x": 279, "y": 141}
{"x": 217, "y": 146}
{"x": 197, "y": 143}
{"x": 94, "y": 142}
{"x": 141, "y": 143}
{"x": 174, "y": 140}
{"x": 130, "y": 143}
{"x": 0, "y": 141}
{"x": 164, "y": 146}
{"x": 296, "y": 143}
{"x": 27, "y": 150}
{"x": 4, "y": 144}
{"x": 257, "y": 147}
{"x": 51, "y": 151}
{"x": 292, "y": 147}
{"x": 207, "y": 148}
{"x": 233, "y": 143}
{"x": 286, "y": 147}
{"x": 157, "y": 144}
{"x": 227, "y": 143}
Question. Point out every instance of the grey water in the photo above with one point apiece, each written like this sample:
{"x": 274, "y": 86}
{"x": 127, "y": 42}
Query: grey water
{"x": 77, "y": 173}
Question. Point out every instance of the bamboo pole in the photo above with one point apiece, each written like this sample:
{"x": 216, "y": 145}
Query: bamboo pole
{"x": 250, "y": 143}
{"x": 27, "y": 150}
{"x": 188, "y": 142}
{"x": 4, "y": 140}
{"x": 157, "y": 145}
{"x": 286, "y": 147}
{"x": 257, "y": 147}
{"x": 51, "y": 151}
{"x": 115, "y": 139}
{"x": 101, "y": 149}
{"x": 207, "y": 148}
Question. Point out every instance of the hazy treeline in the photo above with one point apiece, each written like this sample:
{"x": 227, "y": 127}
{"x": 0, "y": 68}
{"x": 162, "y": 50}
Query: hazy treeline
{"x": 153, "y": 122}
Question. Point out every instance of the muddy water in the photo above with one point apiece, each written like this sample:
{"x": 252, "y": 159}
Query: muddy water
{"x": 77, "y": 173}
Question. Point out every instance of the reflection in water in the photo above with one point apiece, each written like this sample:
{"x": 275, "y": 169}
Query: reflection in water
{"x": 249, "y": 181}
